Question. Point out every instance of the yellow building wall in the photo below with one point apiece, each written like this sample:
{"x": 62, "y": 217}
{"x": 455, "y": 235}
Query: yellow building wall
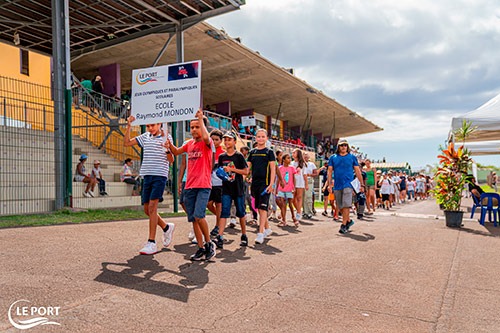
{"x": 39, "y": 65}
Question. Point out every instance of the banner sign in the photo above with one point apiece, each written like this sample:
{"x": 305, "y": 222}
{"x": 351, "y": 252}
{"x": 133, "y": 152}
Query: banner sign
{"x": 248, "y": 121}
{"x": 166, "y": 93}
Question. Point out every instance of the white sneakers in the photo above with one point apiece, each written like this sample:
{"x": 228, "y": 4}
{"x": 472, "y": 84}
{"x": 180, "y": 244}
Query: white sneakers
{"x": 267, "y": 232}
{"x": 232, "y": 223}
{"x": 86, "y": 195}
{"x": 260, "y": 238}
{"x": 167, "y": 235}
{"x": 149, "y": 248}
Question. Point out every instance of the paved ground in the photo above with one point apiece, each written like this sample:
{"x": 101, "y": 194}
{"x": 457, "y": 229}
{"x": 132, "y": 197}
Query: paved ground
{"x": 399, "y": 271}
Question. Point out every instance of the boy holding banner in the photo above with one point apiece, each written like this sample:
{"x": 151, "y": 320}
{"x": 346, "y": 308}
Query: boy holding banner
{"x": 198, "y": 182}
{"x": 154, "y": 170}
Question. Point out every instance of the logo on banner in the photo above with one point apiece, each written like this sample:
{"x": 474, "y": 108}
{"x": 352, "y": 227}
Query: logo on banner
{"x": 145, "y": 77}
{"x": 184, "y": 71}
{"x": 31, "y": 316}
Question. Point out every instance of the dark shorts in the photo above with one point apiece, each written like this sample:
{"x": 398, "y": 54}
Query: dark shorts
{"x": 326, "y": 192}
{"x": 385, "y": 197}
{"x": 196, "y": 200}
{"x": 182, "y": 197}
{"x": 239, "y": 203}
{"x": 261, "y": 201}
{"x": 216, "y": 194}
{"x": 153, "y": 188}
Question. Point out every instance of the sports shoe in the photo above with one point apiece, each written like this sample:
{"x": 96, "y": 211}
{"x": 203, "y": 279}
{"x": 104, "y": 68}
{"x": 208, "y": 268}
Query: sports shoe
{"x": 167, "y": 235}
{"x": 259, "y": 239}
{"x": 232, "y": 223}
{"x": 209, "y": 250}
{"x": 244, "y": 240}
{"x": 267, "y": 232}
{"x": 91, "y": 194}
{"x": 349, "y": 224}
{"x": 86, "y": 195}
{"x": 198, "y": 255}
{"x": 215, "y": 231}
{"x": 191, "y": 235}
{"x": 149, "y": 248}
{"x": 298, "y": 216}
{"x": 194, "y": 241}
{"x": 324, "y": 213}
{"x": 219, "y": 242}
{"x": 343, "y": 229}
{"x": 360, "y": 216}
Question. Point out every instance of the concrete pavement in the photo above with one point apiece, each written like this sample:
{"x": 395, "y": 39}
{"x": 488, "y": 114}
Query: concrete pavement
{"x": 398, "y": 271}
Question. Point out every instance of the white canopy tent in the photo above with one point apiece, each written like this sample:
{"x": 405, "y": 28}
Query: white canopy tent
{"x": 483, "y": 147}
{"x": 487, "y": 120}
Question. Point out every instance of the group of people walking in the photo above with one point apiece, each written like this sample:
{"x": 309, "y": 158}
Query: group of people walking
{"x": 222, "y": 180}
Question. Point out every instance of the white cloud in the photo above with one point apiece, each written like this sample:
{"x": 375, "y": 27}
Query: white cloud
{"x": 424, "y": 61}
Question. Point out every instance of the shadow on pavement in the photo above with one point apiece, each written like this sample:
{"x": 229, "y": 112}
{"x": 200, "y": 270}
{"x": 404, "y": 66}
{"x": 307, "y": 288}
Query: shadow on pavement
{"x": 138, "y": 273}
{"x": 491, "y": 231}
{"x": 362, "y": 238}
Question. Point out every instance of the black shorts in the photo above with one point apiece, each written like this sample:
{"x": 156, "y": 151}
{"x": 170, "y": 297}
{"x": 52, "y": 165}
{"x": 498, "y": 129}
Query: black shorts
{"x": 216, "y": 194}
{"x": 261, "y": 200}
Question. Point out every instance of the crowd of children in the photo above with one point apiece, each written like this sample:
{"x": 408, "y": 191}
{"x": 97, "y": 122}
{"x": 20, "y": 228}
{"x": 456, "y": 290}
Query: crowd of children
{"x": 225, "y": 180}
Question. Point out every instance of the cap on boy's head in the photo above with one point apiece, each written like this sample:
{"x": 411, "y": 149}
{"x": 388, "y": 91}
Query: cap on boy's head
{"x": 97, "y": 162}
{"x": 83, "y": 157}
{"x": 343, "y": 142}
{"x": 230, "y": 134}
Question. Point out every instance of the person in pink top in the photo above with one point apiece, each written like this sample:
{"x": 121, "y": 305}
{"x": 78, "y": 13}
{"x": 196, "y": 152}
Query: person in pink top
{"x": 285, "y": 192}
{"x": 198, "y": 182}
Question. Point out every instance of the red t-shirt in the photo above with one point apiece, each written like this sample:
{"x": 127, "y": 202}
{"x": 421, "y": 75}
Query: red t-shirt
{"x": 199, "y": 164}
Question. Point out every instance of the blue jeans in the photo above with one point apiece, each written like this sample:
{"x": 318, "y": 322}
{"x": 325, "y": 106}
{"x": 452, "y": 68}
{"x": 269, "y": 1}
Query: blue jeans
{"x": 239, "y": 203}
{"x": 196, "y": 200}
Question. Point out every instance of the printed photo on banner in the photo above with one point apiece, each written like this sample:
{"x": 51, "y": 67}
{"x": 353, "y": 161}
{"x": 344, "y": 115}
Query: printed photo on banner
{"x": 166, "y": 94}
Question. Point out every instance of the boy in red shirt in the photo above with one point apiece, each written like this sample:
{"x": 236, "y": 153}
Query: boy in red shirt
{"x": 198, "y": 182}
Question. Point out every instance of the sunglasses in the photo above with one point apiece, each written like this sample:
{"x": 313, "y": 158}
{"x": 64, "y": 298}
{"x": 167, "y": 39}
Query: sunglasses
{"x": 343, "y": 145}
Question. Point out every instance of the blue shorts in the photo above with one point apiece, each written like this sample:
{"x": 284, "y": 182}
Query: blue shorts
{"x": 182, "y": 197}
{"x": 285, "y": 195}
{"x": 239, "y": 203}
{"x": 153, "y": 188}
{"x": 196, "y": 200}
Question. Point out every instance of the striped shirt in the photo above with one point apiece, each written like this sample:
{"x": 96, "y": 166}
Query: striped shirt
{"x": 154, "y": 162}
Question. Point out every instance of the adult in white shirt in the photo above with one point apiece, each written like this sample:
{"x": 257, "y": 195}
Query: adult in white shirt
{"x": 310, "y": 171}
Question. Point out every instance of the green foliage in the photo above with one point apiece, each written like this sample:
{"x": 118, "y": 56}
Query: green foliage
{"x": 451, "y": 175}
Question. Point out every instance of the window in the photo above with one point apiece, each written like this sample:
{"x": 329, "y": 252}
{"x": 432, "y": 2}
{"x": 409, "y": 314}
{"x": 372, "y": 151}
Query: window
{"x": 25, "y": 64}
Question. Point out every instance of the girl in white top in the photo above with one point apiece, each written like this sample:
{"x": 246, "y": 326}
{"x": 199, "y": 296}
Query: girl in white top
{"x": 386, "y": 189}
{"x": 300, "y": 182}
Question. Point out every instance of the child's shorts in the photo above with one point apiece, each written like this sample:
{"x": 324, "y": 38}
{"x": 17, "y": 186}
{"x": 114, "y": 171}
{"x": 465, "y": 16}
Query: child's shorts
{"x": 286, "y": 195}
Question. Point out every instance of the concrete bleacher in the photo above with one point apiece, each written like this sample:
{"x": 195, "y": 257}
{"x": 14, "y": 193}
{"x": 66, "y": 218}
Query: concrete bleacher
{"x": 27, "y": 174}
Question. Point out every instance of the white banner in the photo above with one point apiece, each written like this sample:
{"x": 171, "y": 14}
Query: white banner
{"x": 248, "y": 121}
{"x": 166, "y": 93}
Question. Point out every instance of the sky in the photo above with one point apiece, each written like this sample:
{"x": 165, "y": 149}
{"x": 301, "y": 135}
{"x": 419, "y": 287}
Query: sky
{"x": 407, "y": 66}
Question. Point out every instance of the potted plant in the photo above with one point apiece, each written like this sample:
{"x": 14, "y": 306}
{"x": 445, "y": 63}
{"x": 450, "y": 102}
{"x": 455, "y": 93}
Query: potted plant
{"x": 451, "y": 177}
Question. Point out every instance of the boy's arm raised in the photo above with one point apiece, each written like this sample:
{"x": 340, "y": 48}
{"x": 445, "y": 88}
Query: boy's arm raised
{"x": 127, "y": 142}
{"x": 205, "y": 136}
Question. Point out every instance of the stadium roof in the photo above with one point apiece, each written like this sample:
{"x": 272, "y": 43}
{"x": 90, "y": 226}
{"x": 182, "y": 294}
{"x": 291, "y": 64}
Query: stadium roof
{"x": 99, "y": 24}
{"x": 132, "y": 33}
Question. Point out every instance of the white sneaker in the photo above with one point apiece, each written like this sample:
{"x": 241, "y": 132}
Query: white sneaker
{"x": 191, "y": 235}
{"x": 167, "y": 235}
{"x": 259, "y": 239}
{"x": 194, "y": 240}
{"x": 91, "y": 194}
{"x": 149, "y": 248}
{"x": 267, "y": 232}
{"x": 86, "y": 195}
{"x": 232, "y": 223}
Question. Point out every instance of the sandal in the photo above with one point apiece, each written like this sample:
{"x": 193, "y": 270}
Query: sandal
{"x": 296, "y": 223}
{"x": 282, "y": 224}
